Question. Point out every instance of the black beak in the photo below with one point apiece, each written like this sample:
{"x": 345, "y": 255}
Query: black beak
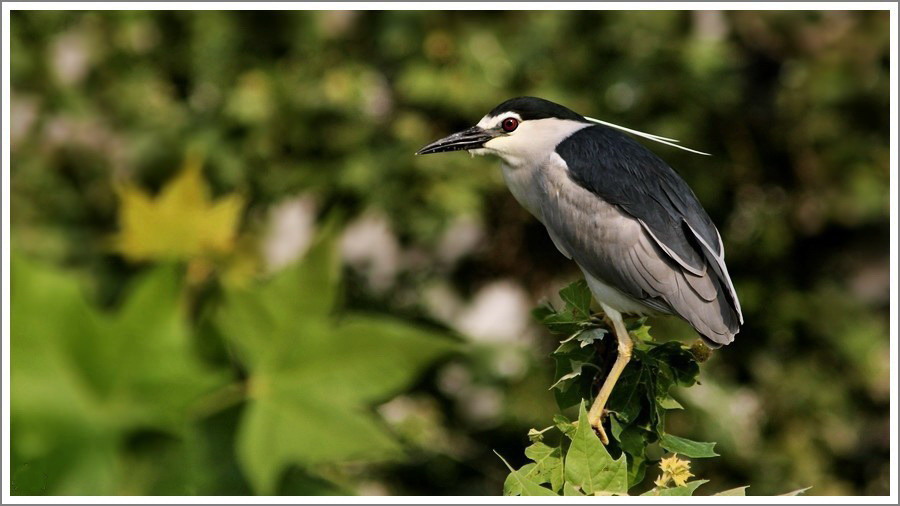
{"x": 470, "y": 138}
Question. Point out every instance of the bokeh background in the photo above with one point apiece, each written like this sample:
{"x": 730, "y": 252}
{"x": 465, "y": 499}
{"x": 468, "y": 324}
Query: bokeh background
{"x": 297, "y": 119}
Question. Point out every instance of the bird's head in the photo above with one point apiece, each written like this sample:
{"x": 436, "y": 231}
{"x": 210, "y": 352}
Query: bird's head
{"x": 519, "y": 129}
{"x": 528, "y": 128}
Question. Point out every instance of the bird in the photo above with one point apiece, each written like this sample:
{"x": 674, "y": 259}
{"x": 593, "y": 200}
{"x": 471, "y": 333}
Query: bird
{"x": 640, "y": 236}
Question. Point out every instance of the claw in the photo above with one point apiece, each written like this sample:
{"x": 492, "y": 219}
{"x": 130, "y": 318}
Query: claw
{"x": 598, "y": 428}
{"x": 601, "y": 433}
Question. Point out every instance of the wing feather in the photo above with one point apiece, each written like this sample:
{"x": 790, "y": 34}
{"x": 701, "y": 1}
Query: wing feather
{"x": 717, "y": 261}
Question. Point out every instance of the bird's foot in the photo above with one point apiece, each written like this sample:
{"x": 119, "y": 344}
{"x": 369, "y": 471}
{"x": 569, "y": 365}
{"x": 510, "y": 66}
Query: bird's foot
{"x": 597, "y": 424}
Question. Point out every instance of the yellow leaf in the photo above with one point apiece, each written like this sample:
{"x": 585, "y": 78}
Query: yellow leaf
{"x": 181, "y": 223}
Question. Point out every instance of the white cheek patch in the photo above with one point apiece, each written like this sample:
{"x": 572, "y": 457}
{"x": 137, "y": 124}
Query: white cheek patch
{"x": 533, "y": 140}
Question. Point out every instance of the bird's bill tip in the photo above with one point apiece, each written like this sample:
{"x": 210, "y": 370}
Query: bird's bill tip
{"x": 470, "y": 138}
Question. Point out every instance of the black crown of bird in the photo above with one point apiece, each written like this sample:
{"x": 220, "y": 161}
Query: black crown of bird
{"x": 639, "y": 234}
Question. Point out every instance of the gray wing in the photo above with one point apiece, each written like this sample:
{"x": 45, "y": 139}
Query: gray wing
{"x": 619, "y": 250}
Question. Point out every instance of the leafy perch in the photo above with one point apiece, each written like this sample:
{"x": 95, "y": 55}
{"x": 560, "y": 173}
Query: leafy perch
{"x": 581, "y": 464}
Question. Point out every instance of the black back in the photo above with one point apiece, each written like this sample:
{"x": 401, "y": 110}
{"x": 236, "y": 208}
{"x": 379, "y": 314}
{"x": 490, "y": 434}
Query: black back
{"x": 536, "y": 108}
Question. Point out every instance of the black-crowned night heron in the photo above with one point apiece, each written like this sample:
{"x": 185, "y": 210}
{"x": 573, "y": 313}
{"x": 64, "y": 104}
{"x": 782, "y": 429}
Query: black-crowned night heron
{"x": 634, "y": 227}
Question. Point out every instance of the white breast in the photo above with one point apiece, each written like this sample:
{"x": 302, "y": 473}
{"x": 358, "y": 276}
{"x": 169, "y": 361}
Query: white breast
{"x": 525, "y": 186}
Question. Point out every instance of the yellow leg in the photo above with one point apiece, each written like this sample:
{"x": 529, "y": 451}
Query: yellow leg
{"x": 595, "y": 415}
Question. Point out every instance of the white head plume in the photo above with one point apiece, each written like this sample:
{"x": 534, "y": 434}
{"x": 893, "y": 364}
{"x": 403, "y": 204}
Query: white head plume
{"x": 656, "y": 138}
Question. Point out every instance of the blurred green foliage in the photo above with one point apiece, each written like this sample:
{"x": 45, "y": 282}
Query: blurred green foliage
{"x": 311, "y": 376}
{"x": 84, "y": 381}
{"x": 322, "y": 111}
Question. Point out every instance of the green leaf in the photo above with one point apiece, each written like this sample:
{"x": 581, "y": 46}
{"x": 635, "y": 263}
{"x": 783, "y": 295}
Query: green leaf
{"x": 686, "y": 447}
{"x": 571, "y": 490}
{"x": 615, "y": 427}
{"x": 546, "y": 468}
{"x": 83, "y": 379}
{"x": 642, "y": 332}
{"x": 156, "y": 361}
{"x": 313, "y": 377}
{"x": 578, "y": 298}
{"x": 562, "y": 323}
{"x": 679, "y": 360}
{"x": 669, "y": 403}
{"x": 627, "y": 397}
{"x": 634, "y": 324}
{"x": 512, "y": 485}
{"x": 588, "y": 336}
{"x": 566, "y": 346}
{"x": 739, "y": 491}
{"x": 590, "y": 467}
{"x": 564, "y": 425}
{"x": 541, "y": 312}
{"x": 641, "y": 397}
{"x": 260, "y": 319}
{"x": 283, "y": 427}
{"x": 574, "y": 368}
{"x": 686, "y": 490}
{"x": 637, "y": 469}
{"x": 574, "y": 317}
{"x": 548, "y": 464}
{"x": 524, "y": 485}
{"x": 632, "y": 440}
{"x": 572, "y": 382}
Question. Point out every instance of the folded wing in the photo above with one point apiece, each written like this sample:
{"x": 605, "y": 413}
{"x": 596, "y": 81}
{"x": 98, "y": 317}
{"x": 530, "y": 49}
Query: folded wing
{"x": 632, "y": 222}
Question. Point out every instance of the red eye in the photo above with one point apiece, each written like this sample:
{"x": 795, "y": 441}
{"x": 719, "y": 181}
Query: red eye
{"x": 510, "y": 124}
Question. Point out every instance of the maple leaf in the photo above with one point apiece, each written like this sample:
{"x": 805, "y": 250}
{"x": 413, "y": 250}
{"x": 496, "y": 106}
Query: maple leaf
{"x": 181, "y": 223}
{"x": 84, "y": 380}
{"x": 589, "y": 466}
{"x": 314, "y": 377}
